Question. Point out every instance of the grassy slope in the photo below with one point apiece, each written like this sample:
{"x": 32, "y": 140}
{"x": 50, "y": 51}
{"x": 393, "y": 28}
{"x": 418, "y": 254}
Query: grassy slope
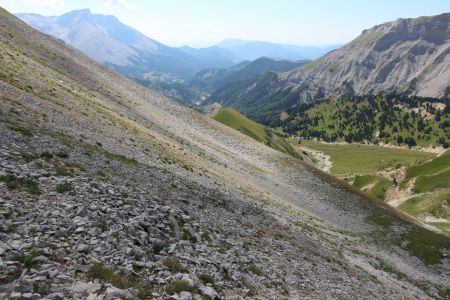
{"x": 353, "y": 159}
{"x": 235, "y": 120}
{"x": 432, "y": 184}
{"x": 435, "y": 166}
{"x": 431, "y": 174}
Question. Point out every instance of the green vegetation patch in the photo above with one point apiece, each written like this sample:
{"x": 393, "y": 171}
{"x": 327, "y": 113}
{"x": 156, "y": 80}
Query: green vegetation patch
{"x": 178, "y": 286}
{"x": 235, "y": 120}
{"x": 434, "y": 166}
{"x": 380, "y": 188}
{"x": 349, "y": 159}
{"x": 435, "y": 203}
{"x": 28, "y": 184}
{"x": 410, "y": 205}
{"x": 173, "y": 264}
{"x": 119, "y": 279}
{"x": 24, "y": 131}
{"x": 206, "y": 278}
{"x": 427, "y": 245}
{"x": 27, "y": 259}
{"x": 432, "y": 182}
{"x": 364, "y": 180}
{"x": 64, "y": 187}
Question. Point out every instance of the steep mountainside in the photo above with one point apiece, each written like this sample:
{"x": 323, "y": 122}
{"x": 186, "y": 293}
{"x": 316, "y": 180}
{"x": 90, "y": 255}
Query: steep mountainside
{"x": 407, "y": 56}
{"x": 109, "y": 190}
{"x": 254, "y": 49}
{"x": 107, "y": 40}
{"x": 214, "y": 78}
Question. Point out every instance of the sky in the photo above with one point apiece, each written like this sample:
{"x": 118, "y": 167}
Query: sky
{"x": 201, "y": 23}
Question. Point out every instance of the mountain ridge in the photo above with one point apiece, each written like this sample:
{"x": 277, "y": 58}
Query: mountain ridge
{"x": 107, "y": 40}
{"x": 252, "y": 50}
{"x": 379, "y": 61}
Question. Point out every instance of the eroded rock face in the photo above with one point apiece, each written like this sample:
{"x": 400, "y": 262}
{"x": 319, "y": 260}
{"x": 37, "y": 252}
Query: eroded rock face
{"x": 406, "y": 56}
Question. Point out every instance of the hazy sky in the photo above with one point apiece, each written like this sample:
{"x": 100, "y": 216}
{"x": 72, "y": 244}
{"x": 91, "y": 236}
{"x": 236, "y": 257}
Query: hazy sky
{"x": 205, "y": 22}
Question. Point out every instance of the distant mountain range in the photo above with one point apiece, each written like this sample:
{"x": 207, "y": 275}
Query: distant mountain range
{"x": 213, "y": 78}
{"x": 252, "y": 50}
{"x": 107, "y": 40}
{"x": 406, "y": 56}
{"x": 124, "y": 49}
{"x": 210, "y": 80}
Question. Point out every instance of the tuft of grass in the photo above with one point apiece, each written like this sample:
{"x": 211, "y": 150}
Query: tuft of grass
{"x": 119, "y": 279}
{"x": 206, "y": 278}
{"x": 62, "y": 170}
{"x": 390, "y": 269}
{"x": 23, "y": 131}
{"x": 64, "y": 187}
{"x": 28, "y": 184}
{"x": 27, "y": 260}
{"x": 41, "y": 288}
{"x": 383, "y": 220}
{"x": 188, "y": 236}
{"x": 11, "y": 228}
{"x": 255, "y": 269}
{"x": 173, "y": 264}
{"x": 119, "y": 157}
{"x": 223, "y": 248}
{"x": 62, "y": 154}
{"x": 178, "y": 286}
{"x": 46, "y": 155}
{"x": 158, "y": 247}
{"x": 103, "y": 226}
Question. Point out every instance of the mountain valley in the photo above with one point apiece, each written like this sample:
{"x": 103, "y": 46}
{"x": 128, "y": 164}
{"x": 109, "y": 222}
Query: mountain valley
{"x": 112, "y": 189}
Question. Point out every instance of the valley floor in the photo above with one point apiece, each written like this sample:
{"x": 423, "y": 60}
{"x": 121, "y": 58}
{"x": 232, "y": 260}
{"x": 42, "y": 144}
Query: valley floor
{"x": 382, "y": 173}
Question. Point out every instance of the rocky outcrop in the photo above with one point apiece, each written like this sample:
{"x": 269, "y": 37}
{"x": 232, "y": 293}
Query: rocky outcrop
{"x": 405, "y": 56}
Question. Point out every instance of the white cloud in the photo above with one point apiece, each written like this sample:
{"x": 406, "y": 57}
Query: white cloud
{"x": 119, "y": 3}
{"x": 45, "y": 3}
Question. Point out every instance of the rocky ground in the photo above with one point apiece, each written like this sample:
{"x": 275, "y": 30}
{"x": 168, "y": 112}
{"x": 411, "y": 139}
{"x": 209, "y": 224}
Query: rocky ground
{"x": 79, "y": 225}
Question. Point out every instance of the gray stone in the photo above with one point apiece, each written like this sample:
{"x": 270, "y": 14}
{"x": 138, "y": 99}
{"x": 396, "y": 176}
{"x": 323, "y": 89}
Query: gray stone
{"x": 209, "y": 291}
{"x": 114, "y": 293}
{"x": 185, "y": 296}
{"x": 23, "y": 286}
{"x": 95, "y": 231}
{"x": 15, "y": 296}
{"x": 83, "y": 248}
